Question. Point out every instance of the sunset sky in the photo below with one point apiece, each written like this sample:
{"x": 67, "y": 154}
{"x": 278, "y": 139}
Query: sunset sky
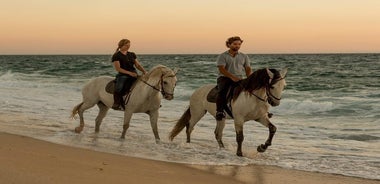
{"x": 189, "y": 27}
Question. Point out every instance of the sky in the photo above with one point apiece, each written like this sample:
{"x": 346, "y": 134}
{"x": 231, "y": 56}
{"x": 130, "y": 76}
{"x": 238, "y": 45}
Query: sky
{"x": 189, "y": 27}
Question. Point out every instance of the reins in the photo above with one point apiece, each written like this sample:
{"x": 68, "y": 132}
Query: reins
{"x": 163, "y": 92}
{"x": 154, "y": 87}
{"x": 267, "y": 91}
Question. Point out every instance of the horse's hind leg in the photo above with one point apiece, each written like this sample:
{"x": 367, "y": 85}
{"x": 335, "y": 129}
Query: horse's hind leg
{"x": 196, "y": 115}
{"x": 272, "y": 131}
{"x": 82, "y": 108}
{"x": 219, "y": 132}
{"x": 103, "y": 109}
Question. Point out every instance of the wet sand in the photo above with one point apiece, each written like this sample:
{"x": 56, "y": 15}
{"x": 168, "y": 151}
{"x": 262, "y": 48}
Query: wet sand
{"x": 27, "y": 160}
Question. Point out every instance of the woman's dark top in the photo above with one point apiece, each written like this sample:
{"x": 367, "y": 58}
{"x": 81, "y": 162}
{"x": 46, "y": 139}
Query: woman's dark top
{"x": 127, "y": 62}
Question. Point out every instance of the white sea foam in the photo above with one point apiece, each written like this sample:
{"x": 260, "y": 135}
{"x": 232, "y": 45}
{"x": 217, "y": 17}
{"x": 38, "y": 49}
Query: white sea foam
{"x": 294, "y": 106}
{"x": 316, "y": 132}
{"x": 6, "y": 76}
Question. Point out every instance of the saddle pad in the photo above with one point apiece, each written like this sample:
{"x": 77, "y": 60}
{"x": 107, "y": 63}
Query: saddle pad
{"x": 211, "y": 96}
{"x": 110, "y": 87}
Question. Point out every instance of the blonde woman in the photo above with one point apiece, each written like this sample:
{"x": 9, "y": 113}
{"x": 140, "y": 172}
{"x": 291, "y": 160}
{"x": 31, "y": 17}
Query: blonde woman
{"x": 124, "y": 63}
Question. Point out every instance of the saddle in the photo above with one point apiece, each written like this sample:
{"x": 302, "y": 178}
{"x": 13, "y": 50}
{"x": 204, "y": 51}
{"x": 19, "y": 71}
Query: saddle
{"x": 212, "y": 95}
{"x": 110, "y": 87}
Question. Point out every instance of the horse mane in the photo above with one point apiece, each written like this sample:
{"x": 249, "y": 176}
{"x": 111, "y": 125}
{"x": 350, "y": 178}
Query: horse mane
{"x": 257, "y": 80}
{"x": 152, "y": 70}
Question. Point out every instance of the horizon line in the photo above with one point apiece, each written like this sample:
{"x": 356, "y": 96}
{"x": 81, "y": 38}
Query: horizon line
{"x": 274, "y": 53}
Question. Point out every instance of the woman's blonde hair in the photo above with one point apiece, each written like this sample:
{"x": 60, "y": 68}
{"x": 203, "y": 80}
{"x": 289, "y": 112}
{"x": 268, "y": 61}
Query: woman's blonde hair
{"x": 121, "y": 43}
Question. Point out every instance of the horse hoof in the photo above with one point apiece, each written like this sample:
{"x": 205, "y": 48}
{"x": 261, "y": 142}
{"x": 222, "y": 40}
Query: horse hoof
{"x": 221, "y": 145}
{"x": 78, "y": 130}
{"x": 261, "y": 148}
{"x": 158, "y": 141}
{"x": 239, "y": 154}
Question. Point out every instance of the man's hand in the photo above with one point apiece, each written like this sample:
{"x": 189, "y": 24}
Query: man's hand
{"x": 235, "y": 79}
{"x": 228, "y": 74}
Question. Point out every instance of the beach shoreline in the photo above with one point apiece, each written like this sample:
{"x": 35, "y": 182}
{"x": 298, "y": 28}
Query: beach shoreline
{"x": 28, "y": 160}
{"x": 323, "y": 126}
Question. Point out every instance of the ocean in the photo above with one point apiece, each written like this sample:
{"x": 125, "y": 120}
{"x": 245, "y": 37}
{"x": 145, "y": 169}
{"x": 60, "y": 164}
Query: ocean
{"x": 328, "y": 120}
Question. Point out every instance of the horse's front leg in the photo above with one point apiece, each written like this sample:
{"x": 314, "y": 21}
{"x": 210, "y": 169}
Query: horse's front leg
{"x": 272, "y": 131}
{"x": 239, "y": 136}
{"x": 153, "y": 115}
{"x": 127, "y": 119}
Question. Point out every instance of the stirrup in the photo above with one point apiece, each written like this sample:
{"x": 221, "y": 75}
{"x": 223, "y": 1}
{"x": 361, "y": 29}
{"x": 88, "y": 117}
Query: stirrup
{"x": 270, "y": 115}
{"x": 220, "y": 115}
{"x": 117, "y": 107}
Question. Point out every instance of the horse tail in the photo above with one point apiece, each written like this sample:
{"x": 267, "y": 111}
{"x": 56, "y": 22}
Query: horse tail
{"x": 75, "y": 110}
{"x": 181, "y": 123}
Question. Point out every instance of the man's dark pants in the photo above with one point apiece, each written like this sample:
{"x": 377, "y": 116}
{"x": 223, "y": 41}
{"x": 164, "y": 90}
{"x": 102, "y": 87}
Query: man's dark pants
{"x": 223, "y": 84}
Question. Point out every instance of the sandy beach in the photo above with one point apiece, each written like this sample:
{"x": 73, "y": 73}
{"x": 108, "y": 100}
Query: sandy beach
{"x": 27, "y": 160}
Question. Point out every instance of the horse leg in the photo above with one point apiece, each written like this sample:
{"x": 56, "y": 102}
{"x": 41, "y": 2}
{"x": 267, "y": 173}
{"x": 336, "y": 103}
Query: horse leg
{"x": 272, "y": 131}
{"x": 239, "y": 137}
{"x": 103, "y": 109}
{"x": 153, "y": 115}
{"x": 268, "y": 142}
{"x": 219, "y": 132}
{"x": 82, "y": 108}
{"x": 196, "y": 115}
{"x": 127, "y": 118}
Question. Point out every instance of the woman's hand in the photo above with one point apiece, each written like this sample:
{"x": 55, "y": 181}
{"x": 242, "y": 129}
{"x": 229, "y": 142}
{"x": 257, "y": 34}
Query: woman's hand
{"x": 133, "y": 74}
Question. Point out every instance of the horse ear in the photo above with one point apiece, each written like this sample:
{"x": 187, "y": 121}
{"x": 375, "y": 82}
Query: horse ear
{"x": 283, "y": 72}
{"x": 175, "y": 70}
{"x": 270, "y": 74}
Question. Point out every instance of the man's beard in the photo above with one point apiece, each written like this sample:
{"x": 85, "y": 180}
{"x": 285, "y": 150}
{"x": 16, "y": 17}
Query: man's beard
{"x": 234, "y": 49}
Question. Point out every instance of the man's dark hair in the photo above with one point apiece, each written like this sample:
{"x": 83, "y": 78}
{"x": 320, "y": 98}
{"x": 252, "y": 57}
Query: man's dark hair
{"x": 232, "y": 39}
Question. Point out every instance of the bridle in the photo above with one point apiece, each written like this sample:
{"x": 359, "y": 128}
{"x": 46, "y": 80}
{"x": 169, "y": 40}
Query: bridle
{"x": 162, "y": 90}
{"x": 269, "y": 94}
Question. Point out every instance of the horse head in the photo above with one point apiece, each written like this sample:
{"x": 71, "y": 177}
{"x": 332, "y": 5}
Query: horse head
{"x": 165, "y": 78}
{"x": 276, "y": 85}
{"x": 168, "y": 83}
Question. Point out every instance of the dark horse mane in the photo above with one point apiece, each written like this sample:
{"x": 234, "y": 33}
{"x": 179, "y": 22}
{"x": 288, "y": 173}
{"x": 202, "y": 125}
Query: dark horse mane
{"x": 257, "y": 80}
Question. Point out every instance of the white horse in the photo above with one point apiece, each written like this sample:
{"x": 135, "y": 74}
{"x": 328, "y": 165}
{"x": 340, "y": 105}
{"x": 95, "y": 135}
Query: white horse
{"x": 251, "y": 101}
{"x": 144, "y": 97}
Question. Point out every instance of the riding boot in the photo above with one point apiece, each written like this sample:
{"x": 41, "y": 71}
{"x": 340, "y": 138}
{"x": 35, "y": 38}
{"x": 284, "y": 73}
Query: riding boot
{"x": 221, "y": 100}
{"x": 220, "y": 115}
{"x": 220, "y": 103}
{"x": 117, "y": 98}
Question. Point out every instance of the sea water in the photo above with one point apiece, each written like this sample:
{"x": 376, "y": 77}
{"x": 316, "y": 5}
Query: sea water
{"x": 328, "y": 120}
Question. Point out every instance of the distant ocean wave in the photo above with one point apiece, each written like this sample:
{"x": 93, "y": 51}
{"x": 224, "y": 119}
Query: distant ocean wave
{"x": 359, "y": 137}
{"x": 328, "y": 120}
